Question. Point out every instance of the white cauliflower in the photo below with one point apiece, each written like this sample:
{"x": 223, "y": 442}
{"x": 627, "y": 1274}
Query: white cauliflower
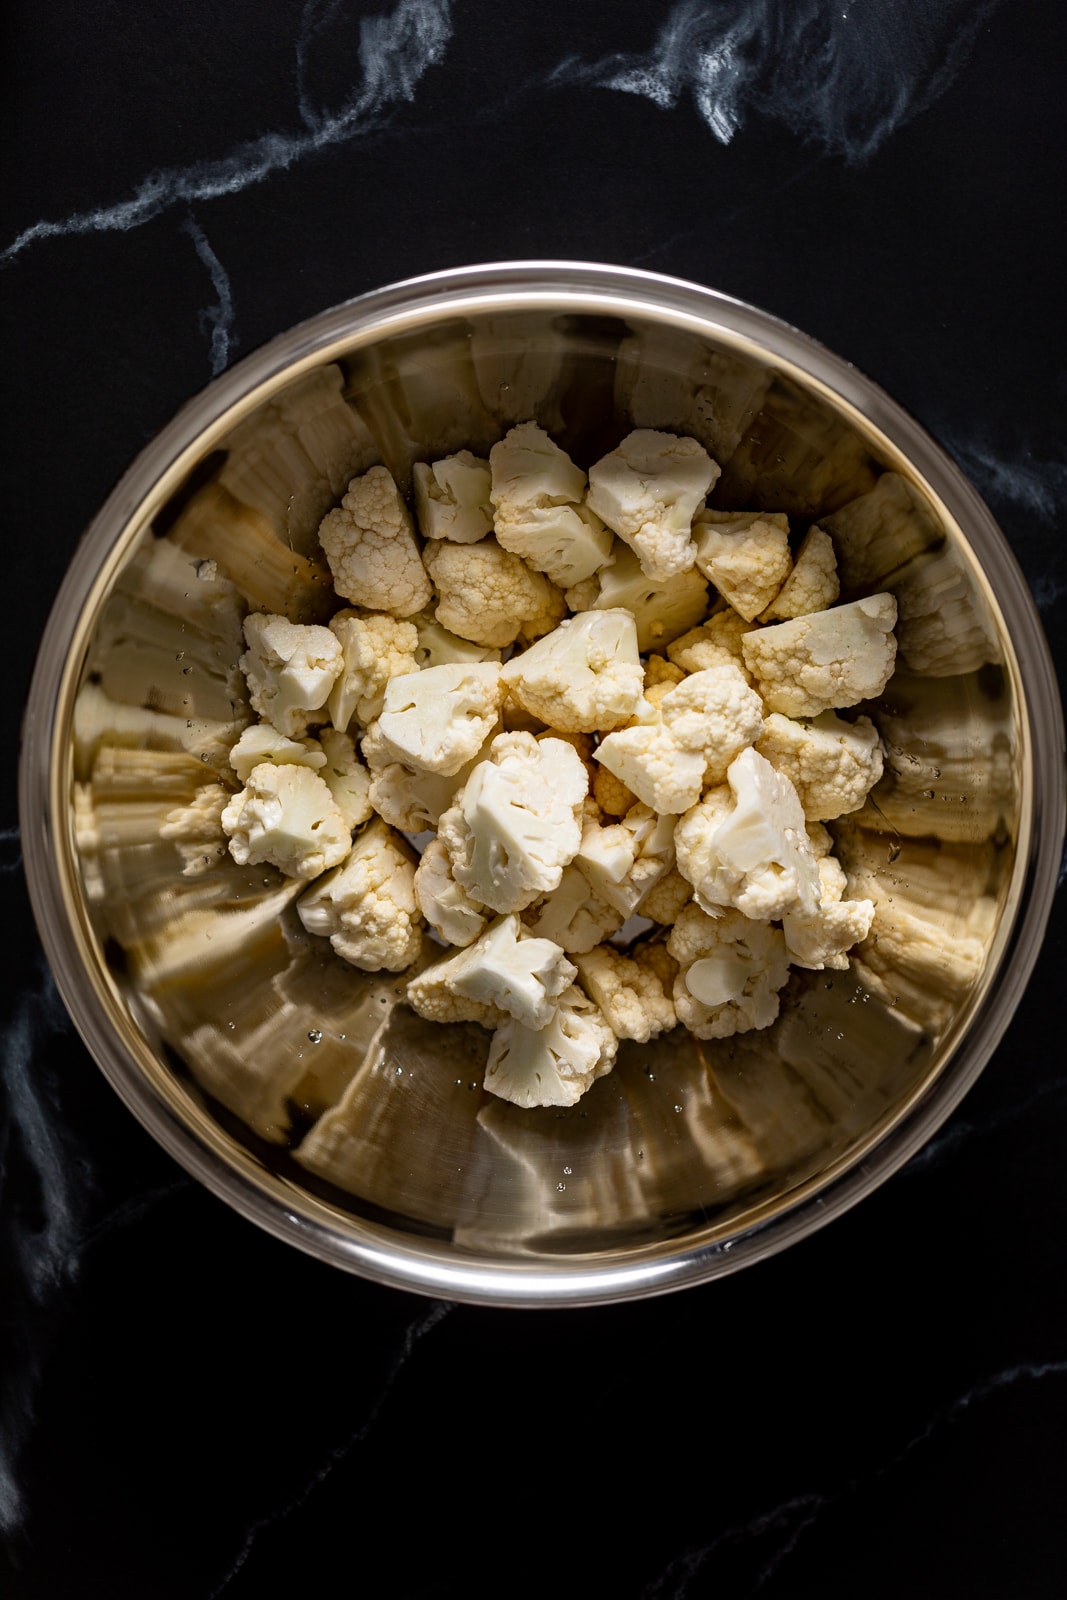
{"x": 375, "y": 648}
{"x": 539, "y": 512}
{"x": 648, "y": 490}
{"x": 438, "y": 648}
{"x": 661, "y": 610}
{"x": 826, "y": 659}
{"x": 714, "y": 713}
{"x": 746, "y": 556}
{"x": 430, "y": 995}
{"x": 346, "y": 777}
{"x": 731, "y": 971}
{"x": 820, "y": 938}
{"x": 610, "y": 793}
{"x": 626, "y": 859}
{"x": 286, "y": 817}
{"x": 438, "y": 719}
{"x": 366, "y": 907}
{"x": 511, "y": 969}
{"x": 650, "y": 762}
{"x": 629, "y": 992}
{"x": 745, "y": 844}
{"x": 664, "y": 901}
{"x": 517, "y": 822}
{"x": 369, "y": 542}
{"x": 572, "y": 916}
{"x": 554, "y": 1065}
{"x": 813, "y": 583}
{"x": 261, "y": 741}
{"x": 831, "y": 763}
{"x": 490, "y": 596}
{"x": 452, "y": 498}
{"x": 716, "y": 642}
{"x": 290, "y": 668}
{"x": 409, "y": 799}
{"x": 583, "y": 676}
{"x": 447, "y": 907}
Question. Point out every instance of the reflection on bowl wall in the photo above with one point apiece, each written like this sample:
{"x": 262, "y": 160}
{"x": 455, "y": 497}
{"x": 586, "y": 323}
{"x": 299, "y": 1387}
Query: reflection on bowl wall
{"x": 306, "y": 1092}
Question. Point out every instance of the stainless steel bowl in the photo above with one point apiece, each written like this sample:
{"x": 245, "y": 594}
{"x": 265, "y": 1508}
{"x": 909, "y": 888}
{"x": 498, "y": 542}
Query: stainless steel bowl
{"x": 305, "y": 1094}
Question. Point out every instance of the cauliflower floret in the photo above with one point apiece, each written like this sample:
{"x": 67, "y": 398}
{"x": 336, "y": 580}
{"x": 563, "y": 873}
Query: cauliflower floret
{"x": 661, "y": 610}
{"x": 196, "y": 829}
{"x": 583, "y": 676}
{"x": 629, "y": 992}
{"x": 648, "y": 760}
{"x": 369, "y": 542}
{"x": 831, "y": 763}
{"x": 745, "y": 844}
{"x": 290, "y": 668}
{"x": 664, "y": 901}
{"x": 438, "y": 719}
{"x": 659, "y": 671}
{"x": 346, "y": 777}
{"x": 825, "y": 660}
{"x": 376, "y": 648}
{"x": 286, "y": 817}
{"x": 452, "y": 498}
{"x": 813, "y": 583}
{"x": 732, "y": 969}
{"x": 366, "y": 907}
{"x": 572, "y": 916}
{"x": 820, "y": 938}
{"x": 746, "y": 556}
{"x": 489, "y": 595}
{"x": 555, "y": 1065}
{"x": 624, "y": 860}
{"x": 517, "y": 822}
{"x": 511, "y": 969}
{"x": 610, "y": 793}
{"x": 447, "y": 907}
{"x": 539, "y": 511}
{"x": 430, "y": 994}
{"x": 438, "y": 648}
{"x": 261, "y": 741}
{"x": 647, "y": 490}
{"x": 716, "y": 642}
{"x": 715, "y": 713}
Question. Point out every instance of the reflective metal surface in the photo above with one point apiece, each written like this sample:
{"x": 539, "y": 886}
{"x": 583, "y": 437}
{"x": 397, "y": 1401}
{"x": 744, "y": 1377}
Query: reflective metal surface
{"x": 305, "y": 1092}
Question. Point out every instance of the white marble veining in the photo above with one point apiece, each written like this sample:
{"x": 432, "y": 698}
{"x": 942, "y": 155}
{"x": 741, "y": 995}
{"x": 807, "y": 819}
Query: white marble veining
{"x": 218, "y": 319}
{"x": 842, "y": 74}
{"x": 395, "y": 52}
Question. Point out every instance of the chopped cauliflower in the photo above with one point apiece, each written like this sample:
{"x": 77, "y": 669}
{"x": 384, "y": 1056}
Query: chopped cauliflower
{"x": 716, "y": 642}
{"x": 430, "y": 995}
{"x": 452, "y": 498}
{"x": 438, "y": 648}
{"x": 813, "y": 583}
{"x": 438, "y": 719}
{"x": 831, "y": 763}
{"x": 513, "y": 970}
{"x": 447, "y": 907}
{"x": 825, "y": 660}
{"x": 490, "y": 596}
{"x": 648, "y": 490}
{"x": 820, "y": 938}
{"x": 346, "y": 777}
{"x": 287, "y": 818}
{"x": 554, "y": 1065}
{"x": 651, "y": 762}
{"x": 583, "y": 676}
{"x": 366, "y": 907}
{"x": 610, "y": 793}
{"x": 261, "y": 741}
{"x": 629, "y": 992}
{"x": 369, "y": 543}
{"x": 664, "y": 901}
{"x": 572, "y": 916}
{"x": 661, "y": 610}
{"x": 658, "y": 670}
{"x": 539, "y": 509}
{"x": 732, "y": 970}
{"x": 745, "y": 844}
{"x": 714, "y": 713}
{"x": 517, "y": 822}
{"x": 290, "y": 668}
{"x": 626, "y": 859}
{"x": 746, "y": 556}
{"x": 376, "y": 648}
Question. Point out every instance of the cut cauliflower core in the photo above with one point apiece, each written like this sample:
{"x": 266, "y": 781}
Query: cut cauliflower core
{"x": 647, "y": 490}
{"x": 554, "y": 1065}
{"x": 438, "y": 719}
{"x": 290, "y": 669}
{"x": 287, "y": 818}
{"x": 583, "y": 676}
{"x": 512, "y": 970}
{"x": 731, "y": 971}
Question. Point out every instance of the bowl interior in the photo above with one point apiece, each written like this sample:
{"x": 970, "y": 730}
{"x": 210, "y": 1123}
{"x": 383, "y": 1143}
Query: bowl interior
{"x": 303, "y": 1088}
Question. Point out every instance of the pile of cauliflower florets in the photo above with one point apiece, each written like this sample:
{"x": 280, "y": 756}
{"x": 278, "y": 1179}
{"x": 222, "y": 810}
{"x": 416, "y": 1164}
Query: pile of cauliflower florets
{"x": 594, "y": 700}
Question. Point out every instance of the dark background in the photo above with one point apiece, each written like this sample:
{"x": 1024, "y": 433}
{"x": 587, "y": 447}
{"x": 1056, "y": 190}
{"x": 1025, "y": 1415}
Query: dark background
{"x": 189, "y": 1408}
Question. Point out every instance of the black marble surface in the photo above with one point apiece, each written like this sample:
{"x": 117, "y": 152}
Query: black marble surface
{"x": 192, "y": 1409}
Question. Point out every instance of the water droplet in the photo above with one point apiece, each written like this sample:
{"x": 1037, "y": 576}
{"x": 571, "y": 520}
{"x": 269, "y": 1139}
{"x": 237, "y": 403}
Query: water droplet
{"x": 399, "y": 1072}
{"x": 459, "y": 1083}
{"x": 840, "y": 1036}
{"x": 677, "y": 1108}
{"x": 640, "y": 1155}
{"x": 892, "y": 853}
{"x": 928, "y": 794}
{"x": 566, "y": 1172}
{"x": 231, "y": 1025}
{"x": 315, "y": 1035}
{"x": 180, "y": 656}
{"x": 651, "y": 1076}
{"x": 561, "y": 1188}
